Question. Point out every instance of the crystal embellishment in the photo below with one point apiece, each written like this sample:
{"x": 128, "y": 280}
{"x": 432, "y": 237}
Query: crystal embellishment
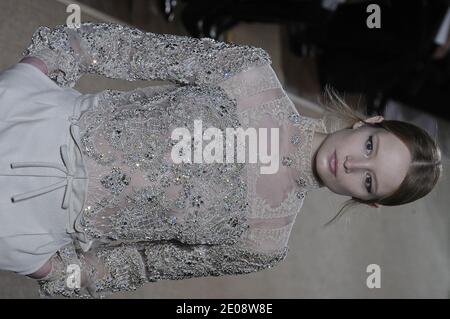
{"x": 296, "y": 139}
{"x": 286, "y": 161}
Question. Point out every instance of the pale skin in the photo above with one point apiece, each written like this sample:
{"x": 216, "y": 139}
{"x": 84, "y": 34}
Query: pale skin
{"x": 365, "y": 170}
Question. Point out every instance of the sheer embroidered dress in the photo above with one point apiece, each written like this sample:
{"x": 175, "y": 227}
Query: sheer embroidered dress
{"x": 146, "y": 218}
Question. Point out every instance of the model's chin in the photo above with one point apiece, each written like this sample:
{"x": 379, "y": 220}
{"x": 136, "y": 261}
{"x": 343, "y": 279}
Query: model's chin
{"x": 322, "y": 171}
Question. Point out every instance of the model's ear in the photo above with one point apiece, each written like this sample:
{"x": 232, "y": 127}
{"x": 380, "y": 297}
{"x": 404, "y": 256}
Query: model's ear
{"x": 374, "y": 205}
{"x": 358, "y": 124}
{"x": 373, "y": 119}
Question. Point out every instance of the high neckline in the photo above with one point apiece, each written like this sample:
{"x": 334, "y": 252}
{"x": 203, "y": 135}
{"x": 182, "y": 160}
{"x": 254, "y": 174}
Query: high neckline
{"x": 300, "y": 158}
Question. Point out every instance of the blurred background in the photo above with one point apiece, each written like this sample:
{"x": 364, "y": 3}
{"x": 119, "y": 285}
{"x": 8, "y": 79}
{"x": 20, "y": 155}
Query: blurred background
{"x": 400, "y": 70}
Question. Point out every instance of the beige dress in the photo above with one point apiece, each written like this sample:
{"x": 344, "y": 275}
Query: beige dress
{"x": 146, "y": 218}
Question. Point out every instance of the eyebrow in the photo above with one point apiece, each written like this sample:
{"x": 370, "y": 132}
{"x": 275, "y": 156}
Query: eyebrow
{"x": 375, "y": 187}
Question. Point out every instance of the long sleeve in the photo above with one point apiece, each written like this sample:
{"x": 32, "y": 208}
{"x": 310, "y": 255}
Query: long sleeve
{"x": 106, "y": 270}
{"x": 122, "y": 52}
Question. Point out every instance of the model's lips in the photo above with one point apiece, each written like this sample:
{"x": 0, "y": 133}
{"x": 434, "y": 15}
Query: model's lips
{"x": 333, "y": 163}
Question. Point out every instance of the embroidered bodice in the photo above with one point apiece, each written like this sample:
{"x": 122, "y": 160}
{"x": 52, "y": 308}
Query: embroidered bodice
{"x": 169, "y": 220}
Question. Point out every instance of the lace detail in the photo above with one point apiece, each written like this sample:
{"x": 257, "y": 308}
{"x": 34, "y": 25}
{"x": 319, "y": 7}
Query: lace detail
{"x": 127, "y": 267}
{"x": 251, "y": 82}
{"x": 136, "y": 192}
{"x": 175, "y": 261}
{"x": 116, "y": 51}
{"x": 64, "y": 279}
{"x": 152, "y": 219}
{"x": 262, "y": 103}
{"x": 150, "y": 198}
{"x": 302, "y": 131}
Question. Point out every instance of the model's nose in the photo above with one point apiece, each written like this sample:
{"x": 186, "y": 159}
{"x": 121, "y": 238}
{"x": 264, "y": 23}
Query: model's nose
{"x": 351, "y": 164}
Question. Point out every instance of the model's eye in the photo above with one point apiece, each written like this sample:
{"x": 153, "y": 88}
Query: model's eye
{"x": 369, "y": 144}
{"x": 368, "y": 183}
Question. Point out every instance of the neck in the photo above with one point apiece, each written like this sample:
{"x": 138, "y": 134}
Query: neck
{"x": 316, "y": 143}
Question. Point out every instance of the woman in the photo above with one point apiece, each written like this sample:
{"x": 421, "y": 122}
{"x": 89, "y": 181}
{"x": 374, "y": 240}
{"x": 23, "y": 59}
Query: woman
{"x": 129, "y": 213}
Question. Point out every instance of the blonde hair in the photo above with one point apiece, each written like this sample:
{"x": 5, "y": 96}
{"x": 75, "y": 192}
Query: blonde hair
{"x": 425, "y": 168}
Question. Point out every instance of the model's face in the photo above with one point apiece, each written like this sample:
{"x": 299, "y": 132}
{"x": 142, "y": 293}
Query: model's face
{"x": 371, "y": 162}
